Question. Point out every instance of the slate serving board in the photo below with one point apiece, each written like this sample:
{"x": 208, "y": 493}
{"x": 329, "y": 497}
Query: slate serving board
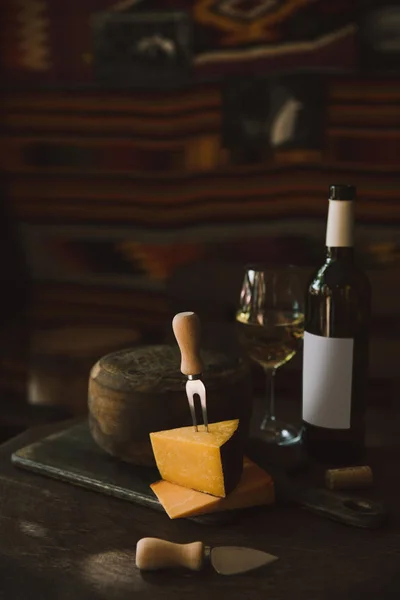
{"x": 72, "y": 456}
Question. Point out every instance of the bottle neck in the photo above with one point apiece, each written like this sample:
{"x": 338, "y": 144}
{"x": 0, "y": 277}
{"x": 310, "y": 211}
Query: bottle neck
{"x": 344, "y": 253}
{"x": 339, "y": 227}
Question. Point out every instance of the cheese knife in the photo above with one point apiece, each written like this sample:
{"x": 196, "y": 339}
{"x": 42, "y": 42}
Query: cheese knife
{"x": 153, "y": 554}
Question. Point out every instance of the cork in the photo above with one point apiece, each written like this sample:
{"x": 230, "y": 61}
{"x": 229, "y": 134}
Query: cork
{"x": 347, "y": 478}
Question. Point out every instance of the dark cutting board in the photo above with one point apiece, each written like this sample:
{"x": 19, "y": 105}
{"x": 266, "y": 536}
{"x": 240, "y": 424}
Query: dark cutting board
{"x": 72, "y": 456}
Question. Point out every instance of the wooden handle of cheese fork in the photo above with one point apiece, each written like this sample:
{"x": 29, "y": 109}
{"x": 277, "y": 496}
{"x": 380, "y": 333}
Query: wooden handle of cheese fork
{"x": 186, "y": 327}
{"x": 153, "y": 554}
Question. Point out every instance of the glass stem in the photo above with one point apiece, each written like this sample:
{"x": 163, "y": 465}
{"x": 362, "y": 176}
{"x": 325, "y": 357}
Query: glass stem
{"x": 270, "y": 397}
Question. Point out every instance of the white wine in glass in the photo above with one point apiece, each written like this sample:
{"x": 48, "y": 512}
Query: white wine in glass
{"x": 276, "y": 341}
{"x": 270, "y": 322}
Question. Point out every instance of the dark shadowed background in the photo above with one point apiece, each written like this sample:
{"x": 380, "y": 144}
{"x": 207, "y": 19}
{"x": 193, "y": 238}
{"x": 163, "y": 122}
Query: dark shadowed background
{"x": 150, "y": 149}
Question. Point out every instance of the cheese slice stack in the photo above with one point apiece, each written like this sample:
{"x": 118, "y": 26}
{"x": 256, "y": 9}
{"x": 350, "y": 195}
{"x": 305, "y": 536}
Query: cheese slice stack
{"x": 209, "y": 462}
{"x": 255, "y": 488}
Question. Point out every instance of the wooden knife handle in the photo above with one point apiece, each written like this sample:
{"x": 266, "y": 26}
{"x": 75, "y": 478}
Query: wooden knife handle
{"x": 153, "y": 554}
{"x": 186, "y": 327}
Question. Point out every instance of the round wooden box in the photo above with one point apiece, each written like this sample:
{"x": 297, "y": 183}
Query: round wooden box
{"x": 135, "y": 391}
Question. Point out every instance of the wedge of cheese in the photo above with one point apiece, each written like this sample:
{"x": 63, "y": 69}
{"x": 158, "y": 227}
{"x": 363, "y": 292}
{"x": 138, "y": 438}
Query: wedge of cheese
{"x": 209, "y": 462}
{"x": 255, "y": 488}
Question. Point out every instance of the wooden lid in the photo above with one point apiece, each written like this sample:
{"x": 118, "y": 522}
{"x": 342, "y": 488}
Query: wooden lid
{"x": 157, "y": 368}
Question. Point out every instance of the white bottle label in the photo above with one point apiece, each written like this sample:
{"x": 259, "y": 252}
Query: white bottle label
{"x": 327, "y": 381}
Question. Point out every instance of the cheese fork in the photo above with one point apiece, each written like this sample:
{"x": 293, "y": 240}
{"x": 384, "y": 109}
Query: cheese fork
{"x": 186, "y": 328}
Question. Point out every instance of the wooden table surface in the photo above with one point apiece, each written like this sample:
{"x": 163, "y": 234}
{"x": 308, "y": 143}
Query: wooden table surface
{"x": 62, "y": 542}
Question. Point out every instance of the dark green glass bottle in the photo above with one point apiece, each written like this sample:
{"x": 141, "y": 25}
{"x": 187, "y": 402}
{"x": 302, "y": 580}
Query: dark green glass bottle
{"x": 336, "y": 336}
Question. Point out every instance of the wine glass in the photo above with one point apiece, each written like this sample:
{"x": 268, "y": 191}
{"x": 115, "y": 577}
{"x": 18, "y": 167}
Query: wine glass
{"x": 270, "y": 322}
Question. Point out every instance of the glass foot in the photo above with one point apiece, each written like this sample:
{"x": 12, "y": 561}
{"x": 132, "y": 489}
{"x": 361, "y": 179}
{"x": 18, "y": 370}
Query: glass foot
{"x": 280, "y": 433}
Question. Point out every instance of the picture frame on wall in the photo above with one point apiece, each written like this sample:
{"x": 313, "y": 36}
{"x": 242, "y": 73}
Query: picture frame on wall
{"x": 379, "y": 37}
{"x": 142, "y": 50}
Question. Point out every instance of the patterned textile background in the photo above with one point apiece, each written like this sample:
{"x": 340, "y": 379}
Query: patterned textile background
{"x": 144, "y": 141}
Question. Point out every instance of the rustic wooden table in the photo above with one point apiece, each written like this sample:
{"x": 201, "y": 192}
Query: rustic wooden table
{"x": 62, "y": 542}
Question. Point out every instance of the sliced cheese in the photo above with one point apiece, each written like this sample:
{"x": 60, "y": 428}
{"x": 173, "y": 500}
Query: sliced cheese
{"x": 255, "y": 488}
{"x": 209, "y": 462}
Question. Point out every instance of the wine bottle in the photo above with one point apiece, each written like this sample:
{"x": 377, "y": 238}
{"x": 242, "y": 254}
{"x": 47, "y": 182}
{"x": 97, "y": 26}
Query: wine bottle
{"x": 336, "y": 334}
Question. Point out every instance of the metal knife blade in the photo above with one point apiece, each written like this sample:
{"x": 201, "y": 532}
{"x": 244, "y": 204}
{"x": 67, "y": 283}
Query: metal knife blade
{"x": 232, "y": 560}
